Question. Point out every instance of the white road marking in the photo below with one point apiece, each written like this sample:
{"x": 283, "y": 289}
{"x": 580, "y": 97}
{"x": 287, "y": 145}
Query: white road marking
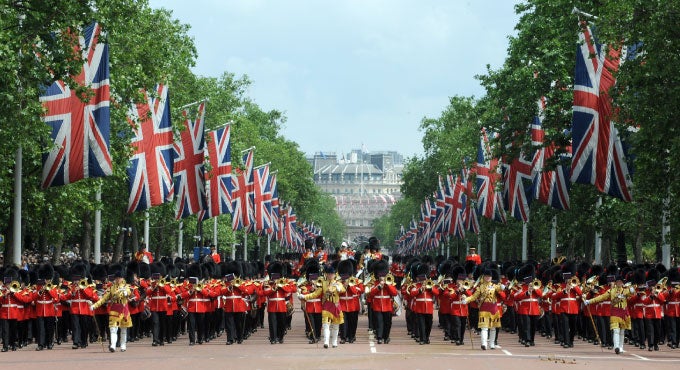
{"x": 640, "y": 357}
{"x": 371, "y": 342}
{"x": 506, "y": 352}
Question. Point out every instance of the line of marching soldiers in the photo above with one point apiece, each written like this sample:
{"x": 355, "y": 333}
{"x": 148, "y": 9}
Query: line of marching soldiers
{"x": 561, "y": 300}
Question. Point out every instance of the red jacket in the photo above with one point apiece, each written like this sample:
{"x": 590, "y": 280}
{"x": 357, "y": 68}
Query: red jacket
{"x": 158, "y": 297}
{"x": 654, "y": 305}
{"x": 277, "y": 297}
{"x": 235, "y": 299}
{"x": 12, "y": 305}
{"x": 423, "y": 302}
{"x": 445, "y": 298}
{"x": 349, "y": 299}
{"x": 381, "y": 298}
{"x": 568, "y": 298}
{"x": 199, "y": 302}
{"x": 312, "y": 305}
{"x": 457, "y": 302}
{"x": 81, "y": 299}
{"x": 46, "y": 302}
{"x": 528, "y": 301}
{"x": 673, "y": 303}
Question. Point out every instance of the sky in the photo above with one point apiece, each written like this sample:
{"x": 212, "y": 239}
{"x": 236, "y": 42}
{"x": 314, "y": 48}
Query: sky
{"x": 350, "y": 73}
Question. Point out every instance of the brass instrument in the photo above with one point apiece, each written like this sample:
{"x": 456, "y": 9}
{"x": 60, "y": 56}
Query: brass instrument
{"x": 199, "y": 287}
{"x": 389, "y": 279}
{"x": 281, "y": 282}
{"x": 14, "y": 286}
{"x": 162, "y": 281}
{"x": 536, "y": 284}
{"x": 428, "y": 284}
{"x": 352, "y": 281}
{"x": 513, "y": 284}
{"x": 661, "y": 285}
{"x": 574, "y": 281}
{"x": 237, "y": 282}
{"x": 467, "y": 284}
{"x": 173, "y": 282}
{"x": 319, "y": 282}
{"x": 82, "y": 283}
{"x": 48, "y": 286}
{"x": 301, "y": 281}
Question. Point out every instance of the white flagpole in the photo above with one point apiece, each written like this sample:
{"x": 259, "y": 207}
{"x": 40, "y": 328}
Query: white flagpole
{"x": 525, "y": 241}
{"x": 493, "y": 246}
{"x": 553, "y": 239}
{"x": 665, "y": 230}
{"x": 269, "y": 244}
{"x": 195, "y": 103}
{"x": 146, "y": 230}
{"x": 215, "y": 233}
{"x": 233, "y": 251}
{"x": 16, "y": 229}
{"x": 179, "y": 241}
{"x": 598, "y": 235}
{"x": 245, "y": 247}
{"x": 98, "y": 227}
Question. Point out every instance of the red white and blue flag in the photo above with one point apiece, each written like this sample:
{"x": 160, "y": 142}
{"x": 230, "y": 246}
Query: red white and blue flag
{"x": 242, "y": 195}
{"x": 80, "y": 123}
{"x": 599, "y": 158}
{"x": 275, "y": 207}
{"x": 189, "y": 166}
{"x": 487, "y": 171}
{"x": 550, "y": 186}
{"x": 218, "y": 179}
{"x": 517, "y": 194}
{"x": 262, "y": 198}
{"x": 470, "y": 218}
{"x": 458, "y": 206}
{"x": 152, "y": 163}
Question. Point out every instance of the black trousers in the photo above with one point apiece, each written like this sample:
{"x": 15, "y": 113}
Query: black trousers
{"x": 63, "y": 326}
{"x": 638, "y": 329}
{"x": 159, "y": 329}
{"x": 277, "y": 325}
{"x": 445, "y": 324}
{"x": 80, "y": 325}
{"x": 9, "y": 332}
{"x": 102, "y": 322}
{"x": 568, "y": 327}
{"x": 653, "y": 327}
{"x": 196, "y": 327}
{"x": 233, "y": 323}
{"x": 45, "y": 330}
{"x": 458, "y": 324}
{"x": 528, "y": 329}
{"x": 349, "y": 327}
{"x": 383, "y": 324}
{"x": 315, "y": 320}
{"x": 673, "y": 326}
{"x": 605, "y": 333}
{"x": 425, "y": 325}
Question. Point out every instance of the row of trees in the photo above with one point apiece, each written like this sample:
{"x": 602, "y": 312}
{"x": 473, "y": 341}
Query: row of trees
{"x": 147, "y": 46}
{"x": 540, "y": 62}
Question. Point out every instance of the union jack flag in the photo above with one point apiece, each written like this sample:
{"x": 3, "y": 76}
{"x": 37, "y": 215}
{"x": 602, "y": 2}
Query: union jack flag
{"x": 242, "y": 195}
{"x": 470, "y": 218}
{"x": 444, "y": 206}
{"x": 262, "y": 198}
{"x": 457, "y": 199}
{"x": 291, "y": 226}
{"x": 599, "y": 158}
{"x": 151, "y": 166}
{"x": 275, "y": 208}
{"x": 487, "y": 170}
{"x": 80, "y": 123}
{"x": 515, "y": 191}
{"x": 218, "y": 180}
{"x": 189, "y": 166}
{"x": 550, "y": 187}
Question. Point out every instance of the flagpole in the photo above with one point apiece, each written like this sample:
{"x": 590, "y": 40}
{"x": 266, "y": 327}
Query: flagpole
{"x": 180, "y": 237}
{"x": 245, "y": 150}
{"x": 195, "y": 103}
{"x": 598, "y": 234}
{"x": 269, "y": 242}
{"x": 665, "y": 231}
{"x": 215, "y": 234}
{"x": 146, "y": 230}
{"x": 98, "y": 227}
{"x": 553, "y": 238}
{"x": 493, "y": 246}
{"x": 16, "y": 229}
{"x": 245, "y": 246}
{"x": 525, "y": 230}
{"x": 582, "y": 13}
{"x": 262, "y": 165}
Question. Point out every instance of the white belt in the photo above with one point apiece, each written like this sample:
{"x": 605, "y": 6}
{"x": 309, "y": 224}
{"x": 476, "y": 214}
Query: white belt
{"x": 653, "y": 305}
{"x": 382, "y": 296}
{"x": 233, "y": 297}
{"x": 673, "y": 302}
{"x": 79, "y": 300}
{"x": 45, "y": 302}
{"x": 424, "y": 299}
{"x": 458, "y": 302}
{"x": 568, "y": 299}
{"x": 277, "y": 299}
{"x": 199, "y": 300}
{"x": 314, "y": 300}
{"x": 348, "y": 298}
{"x": 533, "y": 300}
{"x": 639, "y": 305}
{"x": 12, "y": 305}
{"x": 160, "y": 297}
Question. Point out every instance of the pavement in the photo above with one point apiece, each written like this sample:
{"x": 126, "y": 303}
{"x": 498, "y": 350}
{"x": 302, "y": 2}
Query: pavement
{"x": 365, "y": 353}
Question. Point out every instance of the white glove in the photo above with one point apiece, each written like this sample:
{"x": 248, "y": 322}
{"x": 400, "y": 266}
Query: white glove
{"x": 502, "y": 286}
{"x": 620, "y": 296}
{"x": 586, "y": 302}
{"x": 91, "y": 307}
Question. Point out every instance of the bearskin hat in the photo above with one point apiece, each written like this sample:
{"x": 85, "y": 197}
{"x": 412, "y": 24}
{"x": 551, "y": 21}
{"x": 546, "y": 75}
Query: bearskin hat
{"x": 638, "y": 277}
{"x": 312, "y": 266}
{"x": 346, "y": 268}
{"x": 45, "y": 271}
{"x": 596, "y": 270}
{"x": 582, "y": 270}
{"x": 99, "y": 272}
{"x": 11, "y": 273}
{"x": 194, "y": 270}
{"x": 77, "y": 271}
{"x": 373, "y": 242}
{"x": 526, "y": 271}
{"x": 275, "y": 267}
{"x": 116, "y": 270}
{"x": 557, "y": 277}
{"x": 172, "y": 270}
{"x": 653, "y": 274}
{"x": 144, "y": 270}
{"x": 232, "y": 267}
{"x": 381, "y": 268}
{"x": 157, "y": 268}
{"x": 673, "y": 276}
{"x": 661, "y": 268}
{"x": 397, "y": 258}
{"x": 445, "y": 268}
{"x": 24, "y": 276}
{"x": 457, "y": 272}
{"x": 612, "y": 269}
{"x": 423, "y": 269}
{"x": 470, "y": 267}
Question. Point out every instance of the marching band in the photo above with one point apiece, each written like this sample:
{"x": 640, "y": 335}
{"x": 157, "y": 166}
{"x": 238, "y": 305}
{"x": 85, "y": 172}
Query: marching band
{"x": 560, "y": 300}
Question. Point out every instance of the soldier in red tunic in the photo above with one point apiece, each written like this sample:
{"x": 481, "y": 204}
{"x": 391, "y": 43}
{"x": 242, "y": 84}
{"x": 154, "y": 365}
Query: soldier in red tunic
{"x": 311, "y": 307}
{"x": 277, "y": 291}
{"x": 382, "y": 295}
{"x": 349, "y": 300}
{"x": 45, "y": 299}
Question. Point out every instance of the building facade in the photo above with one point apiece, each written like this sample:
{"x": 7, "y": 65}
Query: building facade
{"x": 364, "y": 185}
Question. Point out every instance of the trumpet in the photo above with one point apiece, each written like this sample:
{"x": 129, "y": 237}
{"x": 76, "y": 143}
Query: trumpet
{"x": 281, "y": 282}
{"x": 162, "y": 281}
{"x": 237, "y": 282}
{"x": 512, "y": 285}
{"x": 173, "y": 282}
{"x": 536, "y": 284}
{"x": 574, "y": 281}
{"x": 352, "y": 281}
{"x": 428, "y": 284}
{"x": 14, "y": 286}
{"x": 389, "y": 279}
{"x": 199, "y": 287}
{"x": 467, "y": 284}
{"x": 82, "y": 283}
{"x": 48, "y": 286}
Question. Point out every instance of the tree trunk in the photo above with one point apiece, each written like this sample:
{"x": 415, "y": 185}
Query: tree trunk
{"x": 621, "y": 253}
{"x": 118, "y": 248}
{"x": 86, "y": 242}
{"x": 42, "y": 239}
{"x": 58, "y": 244}
{"x": 135, "y": 240}
{"x": 160, "y": 243}
{"x": 637, "y": 248}
{"x": 606, "y": 250}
